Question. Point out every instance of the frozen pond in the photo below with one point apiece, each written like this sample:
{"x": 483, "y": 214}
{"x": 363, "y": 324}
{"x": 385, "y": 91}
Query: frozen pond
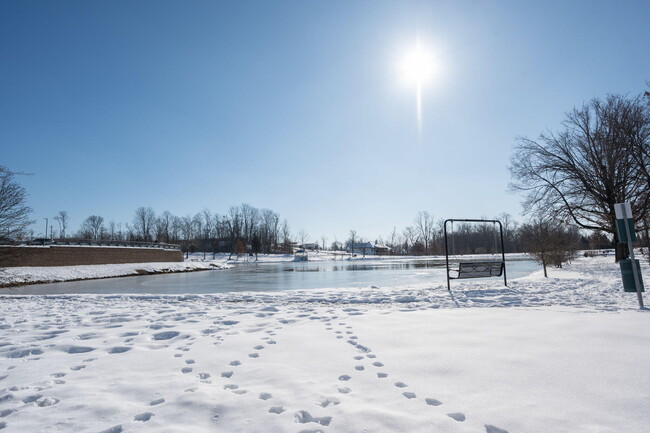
{"x": 278, "y": 276}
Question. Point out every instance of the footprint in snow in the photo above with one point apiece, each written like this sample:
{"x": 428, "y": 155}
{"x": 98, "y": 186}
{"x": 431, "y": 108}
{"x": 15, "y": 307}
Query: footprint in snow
{"x": 345, "y": 390}
{"x": 493, "y": 429}
{"x": 143, "y": 417}
{"x": 166, "y": 335}
{"x": 31, "y": 398}
{"x": 276, "y": 410}
{"x": 157, "y": 402}
{"x": 47, "y": 401}
{"x": 304, "y": 417}
{"x": 114, "y": 429}
{"x": 460, "y": 417}
{"x": 409, "y": 395}
{"x": 78, "y": 349}
{"x": 359, "y": 368}
{"x": 204, "y": 376}
{"x": 382, "y": 375}
{"x": 240, "y": 391}
{"x": 189, "y": 361}
{"x": 400, "y": 384}
{"x": 186, "y": 370}
{"x": 253, "y": 355}
{"x": 231, "y": 386}
{"x": 235, "y": 363}
{"x": 326, "y": 402}
{"x": 227, "y": 374}
{"x": 344, "y": 377}
{"x": 377, "y": 364}
{"x": 432, "y": 402}
{"x": 265, "y": 396}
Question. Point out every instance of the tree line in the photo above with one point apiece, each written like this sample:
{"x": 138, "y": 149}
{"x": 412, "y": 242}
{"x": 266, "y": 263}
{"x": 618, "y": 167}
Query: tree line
{"x": 242, "y": 228}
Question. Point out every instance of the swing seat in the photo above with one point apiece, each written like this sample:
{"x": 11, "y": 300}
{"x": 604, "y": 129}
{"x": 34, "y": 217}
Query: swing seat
{"x": 477, "y": 270}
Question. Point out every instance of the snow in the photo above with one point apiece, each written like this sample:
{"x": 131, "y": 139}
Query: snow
{"x": 567, "y": 353}
{"x": 48, "y": 274}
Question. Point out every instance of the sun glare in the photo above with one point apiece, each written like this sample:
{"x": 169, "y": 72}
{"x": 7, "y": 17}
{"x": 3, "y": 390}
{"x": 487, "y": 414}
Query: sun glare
{"x": 417, "y": 66}
{"x": 418, "y": 69}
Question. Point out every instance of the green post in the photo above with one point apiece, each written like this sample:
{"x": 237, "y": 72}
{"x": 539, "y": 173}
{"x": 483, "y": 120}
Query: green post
{"x": 626, "y": 234}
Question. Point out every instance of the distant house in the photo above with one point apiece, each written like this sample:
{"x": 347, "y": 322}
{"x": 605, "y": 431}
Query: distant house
{"x": 382, "y": 250}
{"x": 311, "y": 247}
{"x": 369, "y": 249}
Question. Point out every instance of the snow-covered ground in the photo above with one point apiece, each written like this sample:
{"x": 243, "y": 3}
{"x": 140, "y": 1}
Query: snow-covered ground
{"x": 563, "y": 354}
{"x": 53, "y": 274}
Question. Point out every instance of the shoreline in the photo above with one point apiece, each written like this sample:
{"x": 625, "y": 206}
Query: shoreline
{"x": 27, "y": 276}
{"x": 139, "y": 274}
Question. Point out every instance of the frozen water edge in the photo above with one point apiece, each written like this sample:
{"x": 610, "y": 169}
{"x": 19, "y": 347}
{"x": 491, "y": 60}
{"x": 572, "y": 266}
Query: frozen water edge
{"x": 290, "y": 361}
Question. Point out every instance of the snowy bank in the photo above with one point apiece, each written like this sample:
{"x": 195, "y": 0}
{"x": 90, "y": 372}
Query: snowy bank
{"x": 15, "y": 276}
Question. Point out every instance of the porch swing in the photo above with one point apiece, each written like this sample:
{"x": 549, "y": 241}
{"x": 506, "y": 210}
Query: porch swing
{"x": 474, "y": 268}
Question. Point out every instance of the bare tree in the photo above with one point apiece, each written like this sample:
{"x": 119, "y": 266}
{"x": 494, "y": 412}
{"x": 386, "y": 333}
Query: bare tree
{"x": 63, "y": 220}
{"x": 424, "y": 226}
{"x": 163, "y": 226}
{"x": 270, "y": 226}
{"x": 208, "y": 230}
{"x": 14, "y": 212}
{"x": 302, "y": 235}
{"x": 579, "y": 173}
{"x": 323, "y": 242}
{"x": 111, "y": 230}
{"x": 510, "y": 227}
{"x": 250, "y": 217}
{"x": 550, "y": 243}
{"x": 352, "y": 240}
{"x": 93, "y": 227}
{"x": 409, "y": 238}
{"x": 143, "y": 223}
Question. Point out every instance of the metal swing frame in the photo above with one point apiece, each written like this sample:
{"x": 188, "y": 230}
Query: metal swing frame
{"x": 476, "y": 269}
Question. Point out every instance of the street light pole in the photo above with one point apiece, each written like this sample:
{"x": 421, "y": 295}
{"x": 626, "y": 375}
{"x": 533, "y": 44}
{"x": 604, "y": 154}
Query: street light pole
{"x": 45, "y": 226}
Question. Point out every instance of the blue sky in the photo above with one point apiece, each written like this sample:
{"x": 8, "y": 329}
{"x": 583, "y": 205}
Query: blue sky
{"x": 296, "y": 106}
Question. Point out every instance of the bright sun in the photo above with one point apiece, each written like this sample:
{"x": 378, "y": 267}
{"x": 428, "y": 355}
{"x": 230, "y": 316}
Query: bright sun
{"x": 417, "y": 66}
